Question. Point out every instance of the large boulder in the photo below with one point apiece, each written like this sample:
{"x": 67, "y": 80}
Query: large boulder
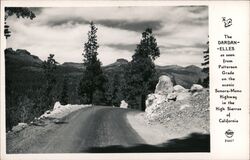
{"x": 196, "y": 87}
{"x": 123, "y": 104}
{"x": 163, "y": 94}
{"x": 181, "y": 93}
{"x": 183, "y": 96}
{"x": 164, "y": 86}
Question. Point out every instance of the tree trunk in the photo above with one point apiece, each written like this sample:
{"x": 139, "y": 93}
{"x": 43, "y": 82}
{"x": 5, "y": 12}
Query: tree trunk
{"x": 143, "y": 105}
{"x": 91, "y": 97}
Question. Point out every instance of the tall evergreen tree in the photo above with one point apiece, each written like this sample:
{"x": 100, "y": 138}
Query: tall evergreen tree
{"x": 92, "y": 80}
{"x": 49, "y": 67}
{"x": 205, "y": 82}
{"x": 142, "y": 70}
{"x": 64, "y": 98}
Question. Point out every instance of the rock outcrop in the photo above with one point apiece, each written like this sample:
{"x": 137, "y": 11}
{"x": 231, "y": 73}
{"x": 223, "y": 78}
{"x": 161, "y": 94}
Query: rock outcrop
{"x": 165, "y": 93}
{"x": 176, "y": 105}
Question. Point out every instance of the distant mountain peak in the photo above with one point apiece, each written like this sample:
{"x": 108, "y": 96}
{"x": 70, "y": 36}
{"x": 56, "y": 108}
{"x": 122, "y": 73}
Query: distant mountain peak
{"x": 193, "y": 66}
{"x": 169, "y": 67}
{"x": 23, "y": 55}
{"x": 117, "y": 63}
{"x": 74, "y": 65}
{"x": 9, "y": 50}
{"x": 22, "y": 51}
{"x": 122, "y": 60}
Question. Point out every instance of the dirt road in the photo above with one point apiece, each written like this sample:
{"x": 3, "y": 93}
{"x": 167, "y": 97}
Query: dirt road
{"x": 92, "y": 127}
{"x": 99, "y": 129}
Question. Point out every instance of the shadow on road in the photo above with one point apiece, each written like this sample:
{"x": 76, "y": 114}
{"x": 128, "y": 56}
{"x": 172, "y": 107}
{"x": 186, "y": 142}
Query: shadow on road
{"x": 195, "y": 142}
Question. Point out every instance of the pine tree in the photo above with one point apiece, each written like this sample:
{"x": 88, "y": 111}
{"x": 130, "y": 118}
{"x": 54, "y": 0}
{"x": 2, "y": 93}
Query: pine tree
{"x": 64, "y": 99}
{"x": 206, "y": 59}
{"x": 49, "y": 67}
{"x": 92, "y": 80}
{"x": 142, "y": 70}
{"x": 206, "y": 66}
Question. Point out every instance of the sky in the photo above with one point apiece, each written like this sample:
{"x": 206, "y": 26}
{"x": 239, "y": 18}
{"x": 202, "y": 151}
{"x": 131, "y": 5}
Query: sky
{"x": 181, "y": 32}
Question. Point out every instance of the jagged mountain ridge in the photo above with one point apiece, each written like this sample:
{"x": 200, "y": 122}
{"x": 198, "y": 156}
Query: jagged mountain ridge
{"x": 24, "y": 60}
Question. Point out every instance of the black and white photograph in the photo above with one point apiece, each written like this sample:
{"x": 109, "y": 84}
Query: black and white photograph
{"x": 110, "y": 79}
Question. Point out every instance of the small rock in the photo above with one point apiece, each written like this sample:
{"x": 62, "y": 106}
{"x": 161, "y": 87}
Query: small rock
{"x": 47, "y": 112}
{"x": 19, "y": 127}
{"x": 195, "y": 94}
{"x": 38, "y": 123}
{"x": 196, "y": 87}
{"x": 57, "y": 105}
{"x": 59, "y": 121}
{"x": 172, "y": 97}
{"x": 124, "y": 104}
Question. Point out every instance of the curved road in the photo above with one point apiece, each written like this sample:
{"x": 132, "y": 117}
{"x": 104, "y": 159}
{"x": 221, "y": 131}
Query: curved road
{"x": 93, "y": 127}
{"x": 98, "y": 129}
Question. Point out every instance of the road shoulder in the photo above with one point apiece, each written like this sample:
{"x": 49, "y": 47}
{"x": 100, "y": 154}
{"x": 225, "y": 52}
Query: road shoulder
{"x": 152, "y": 134}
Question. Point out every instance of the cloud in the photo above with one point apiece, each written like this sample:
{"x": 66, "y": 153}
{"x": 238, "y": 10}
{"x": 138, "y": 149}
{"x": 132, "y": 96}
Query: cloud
{"x": 36, "y": 10}
{"x": 109, "y": 36}
{"x": 109, "y": 55}
{"x": 128, "y": 47}
{"x": 196, "y": 9}
{"x": 65, "y": 21}
{"x": 132, "y": 26}
{"x": 181, "y": 32}
{"x": 179, "y": 46}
